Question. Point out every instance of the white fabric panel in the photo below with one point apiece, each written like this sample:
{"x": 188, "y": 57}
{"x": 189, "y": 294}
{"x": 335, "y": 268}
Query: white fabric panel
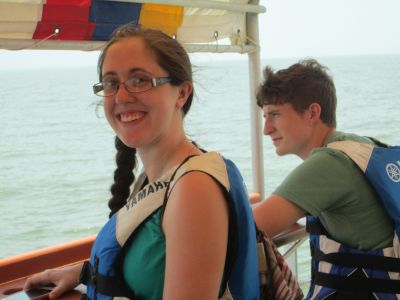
{"x": 234, "y": 1}
{"x": 20, "y": 12}
{"x": 200, "y": 25}
{"x": 24, "y": 1}
{"x": 17, "y": 30}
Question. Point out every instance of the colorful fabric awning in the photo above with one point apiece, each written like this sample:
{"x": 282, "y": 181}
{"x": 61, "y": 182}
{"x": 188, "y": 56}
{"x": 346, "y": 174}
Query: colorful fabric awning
{"x": 96, "y": 20}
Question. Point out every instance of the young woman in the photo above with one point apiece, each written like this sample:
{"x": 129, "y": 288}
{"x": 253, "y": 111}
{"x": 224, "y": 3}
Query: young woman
{"x": 185, "y": 231}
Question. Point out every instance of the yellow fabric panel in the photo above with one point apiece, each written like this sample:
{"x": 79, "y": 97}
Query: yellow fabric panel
{"x": 163, "y": 17}
{"x": 17, "y": 30}
{"x": 20, "y": 12}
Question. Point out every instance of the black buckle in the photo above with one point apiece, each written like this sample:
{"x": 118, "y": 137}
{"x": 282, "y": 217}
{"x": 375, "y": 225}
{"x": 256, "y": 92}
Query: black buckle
{"x": 86, "y": 273}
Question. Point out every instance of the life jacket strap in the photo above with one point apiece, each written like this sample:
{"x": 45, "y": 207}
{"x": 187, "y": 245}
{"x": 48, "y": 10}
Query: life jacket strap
{"x": 316, "y": 228}
{"x": 354, "y": 260}
{"x": 106, "y": 285}
{"x": 357, "y": 283}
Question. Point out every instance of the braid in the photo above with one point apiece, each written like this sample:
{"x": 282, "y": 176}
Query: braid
{"x": 123, "y": 175}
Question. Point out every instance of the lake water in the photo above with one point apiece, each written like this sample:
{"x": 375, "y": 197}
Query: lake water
{"x": 57, "y": 156}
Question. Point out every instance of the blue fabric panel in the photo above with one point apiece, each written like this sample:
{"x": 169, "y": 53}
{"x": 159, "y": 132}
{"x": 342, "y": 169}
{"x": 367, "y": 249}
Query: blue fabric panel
{"x": 110, "y": 15}
{"x": 383, "y": 172}
{"x": 103, "y": 32}
{"x": 106, "y": 256}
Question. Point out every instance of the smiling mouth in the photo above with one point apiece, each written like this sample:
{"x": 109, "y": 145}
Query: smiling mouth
{"x": 130, "y": 117}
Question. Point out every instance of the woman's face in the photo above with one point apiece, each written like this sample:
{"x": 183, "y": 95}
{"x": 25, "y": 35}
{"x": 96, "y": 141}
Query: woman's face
{"x": 144, "y": 118}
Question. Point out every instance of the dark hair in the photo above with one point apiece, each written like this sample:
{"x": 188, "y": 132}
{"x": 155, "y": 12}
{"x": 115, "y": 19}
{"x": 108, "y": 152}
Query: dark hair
{"x": 300, "y": 85}
{"x": 172, "y": 57}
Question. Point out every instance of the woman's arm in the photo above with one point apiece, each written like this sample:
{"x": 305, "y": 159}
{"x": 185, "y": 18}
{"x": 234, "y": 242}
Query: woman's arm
{"x": 64, "y": 279}
{"x": 196, "y": 229}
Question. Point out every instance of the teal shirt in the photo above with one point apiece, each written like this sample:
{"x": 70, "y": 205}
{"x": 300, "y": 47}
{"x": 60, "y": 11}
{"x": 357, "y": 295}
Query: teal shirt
{"x": 328, "y": 185}
{"x": 144, "y": 263}
{"x": 144, "y": 253}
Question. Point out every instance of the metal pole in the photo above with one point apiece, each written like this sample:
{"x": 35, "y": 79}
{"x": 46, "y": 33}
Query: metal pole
{"x": 255, "y": 112}
{"x": 22, "y": 44}
{"x": 209, "y": 4}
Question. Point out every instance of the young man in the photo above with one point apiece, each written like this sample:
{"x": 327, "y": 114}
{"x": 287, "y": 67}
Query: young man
{"x": 299, "y": 105}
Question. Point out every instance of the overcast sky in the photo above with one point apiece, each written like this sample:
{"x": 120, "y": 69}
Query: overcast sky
{"x": 289, "y": 28}
{"x": 329, "y": 27}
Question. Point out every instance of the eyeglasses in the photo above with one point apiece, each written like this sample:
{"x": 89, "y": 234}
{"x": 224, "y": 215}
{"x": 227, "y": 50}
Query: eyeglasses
{"x": 132, "y": 85}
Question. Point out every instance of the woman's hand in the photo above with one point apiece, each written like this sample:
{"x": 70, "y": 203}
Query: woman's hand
{"x": 64, "y": 279}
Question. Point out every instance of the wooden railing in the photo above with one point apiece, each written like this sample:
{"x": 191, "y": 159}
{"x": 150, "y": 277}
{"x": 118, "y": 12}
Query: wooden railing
{"x": 15, "y": 270}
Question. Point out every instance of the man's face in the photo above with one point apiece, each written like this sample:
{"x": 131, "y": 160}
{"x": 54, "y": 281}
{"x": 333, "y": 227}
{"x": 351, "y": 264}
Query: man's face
{"x": 289, "y": 130}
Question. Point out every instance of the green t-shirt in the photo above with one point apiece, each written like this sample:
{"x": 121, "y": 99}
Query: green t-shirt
{"x": 328, "y": 185}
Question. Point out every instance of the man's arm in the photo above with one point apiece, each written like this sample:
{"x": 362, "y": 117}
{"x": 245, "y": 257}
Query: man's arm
{"x": 276, "y": 214}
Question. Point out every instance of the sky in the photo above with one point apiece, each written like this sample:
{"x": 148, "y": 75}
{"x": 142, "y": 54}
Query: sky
{"x": 325, "y": 28}
{"x": 289, "y": 28}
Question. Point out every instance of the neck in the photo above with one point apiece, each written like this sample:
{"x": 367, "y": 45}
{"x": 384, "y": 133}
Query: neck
{"x": 158, "y": 160}
{"x": 318, "y": 139}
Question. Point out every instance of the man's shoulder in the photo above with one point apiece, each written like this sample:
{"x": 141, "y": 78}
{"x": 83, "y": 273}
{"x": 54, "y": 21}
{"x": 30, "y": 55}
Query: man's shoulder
{"x": 326, "y": 152}
{"x": 344, "y": 136}
{"x": 326, "y": 156}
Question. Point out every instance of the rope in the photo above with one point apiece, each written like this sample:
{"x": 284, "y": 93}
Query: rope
{"x": 33, "y": 45}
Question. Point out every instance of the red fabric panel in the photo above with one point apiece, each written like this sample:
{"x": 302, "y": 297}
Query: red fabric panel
{"x": 70, "y": 2}
{"x": 66, "y": 10}
{"x": 68, "y": 31}
{"x": 70, "y": 16}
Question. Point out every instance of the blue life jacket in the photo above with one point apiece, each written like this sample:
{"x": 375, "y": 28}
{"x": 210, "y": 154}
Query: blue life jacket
{"x": 341, "y": 272}
{"x": 102, "y": 274}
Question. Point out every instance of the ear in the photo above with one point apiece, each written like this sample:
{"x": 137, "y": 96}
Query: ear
{"x": 184, "y": 91}
{"x": 314, "y": 112}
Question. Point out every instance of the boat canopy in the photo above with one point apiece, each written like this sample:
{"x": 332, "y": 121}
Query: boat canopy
{"x": 86, "y": 24}
{"x": 214, "y": 26}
